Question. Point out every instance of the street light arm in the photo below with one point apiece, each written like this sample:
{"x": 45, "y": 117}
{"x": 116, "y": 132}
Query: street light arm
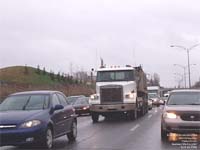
{"x": 182, "y": 47}
{"x": 180, "y": 66}
{"x": 193, "y": 46}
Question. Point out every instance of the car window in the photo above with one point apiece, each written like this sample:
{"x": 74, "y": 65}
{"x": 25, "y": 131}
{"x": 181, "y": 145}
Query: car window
{"x": 72, "y": 99}
{"x": 55, "y": 100}
{"x": 14, "y": 103}
{"x": 62, "y": 99}
{"x": 37, "y": 102}
{"x": 80, "y": 101}
{"x": 184, "y": 98}
{"x": 25, "y": 102}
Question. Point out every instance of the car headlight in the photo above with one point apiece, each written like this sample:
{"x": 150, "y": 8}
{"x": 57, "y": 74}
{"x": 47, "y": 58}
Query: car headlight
{"x": 30, "y": 124}
{"x": 170, "y": 115}
{"x": 86, "y": 107}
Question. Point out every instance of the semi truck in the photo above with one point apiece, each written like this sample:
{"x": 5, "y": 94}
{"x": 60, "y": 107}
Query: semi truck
{"x": 154, "y": 94}
{"x": 119, "y": 90}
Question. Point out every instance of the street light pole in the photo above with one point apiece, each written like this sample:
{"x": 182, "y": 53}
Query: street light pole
{"x": 188, "y": 54}
{"x": 179, "y": 81}
{"x": 188, "y": 58}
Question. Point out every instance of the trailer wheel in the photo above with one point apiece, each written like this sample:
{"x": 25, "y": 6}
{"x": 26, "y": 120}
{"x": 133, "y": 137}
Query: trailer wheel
{"x": 132, "y": 115}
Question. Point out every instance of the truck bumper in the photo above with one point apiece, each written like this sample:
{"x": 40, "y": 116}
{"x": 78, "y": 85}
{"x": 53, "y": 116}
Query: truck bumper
{"x": 112, "y": 108}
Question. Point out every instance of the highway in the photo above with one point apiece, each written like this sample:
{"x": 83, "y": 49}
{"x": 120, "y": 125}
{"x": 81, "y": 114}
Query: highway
{"x": 117, "y": 134}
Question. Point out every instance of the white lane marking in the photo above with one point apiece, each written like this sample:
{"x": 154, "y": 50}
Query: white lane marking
{"x": 156, "y": 110}
{"x": 135, "y": 127}
{"x": 150, "y": 116}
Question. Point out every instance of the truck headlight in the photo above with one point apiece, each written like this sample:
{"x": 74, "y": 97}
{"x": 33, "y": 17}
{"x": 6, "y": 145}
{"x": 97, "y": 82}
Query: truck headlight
{"x": 130, "y": 95}
{"x": 170, "y": 115}
{"x": 94, "y": 97}
{"x": 30, "y": 124}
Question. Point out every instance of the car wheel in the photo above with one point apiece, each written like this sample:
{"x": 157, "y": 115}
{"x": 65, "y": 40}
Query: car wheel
{"x": 48, "y": 140}
{"x": 95, "y": 117}
{"x": 163, "y": 134}
{"x": 73, "y": 133}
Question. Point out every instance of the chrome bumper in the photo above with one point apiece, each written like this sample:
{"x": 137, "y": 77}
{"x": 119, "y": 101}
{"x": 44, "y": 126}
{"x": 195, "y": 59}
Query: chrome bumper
{"x": 112, "y": 107}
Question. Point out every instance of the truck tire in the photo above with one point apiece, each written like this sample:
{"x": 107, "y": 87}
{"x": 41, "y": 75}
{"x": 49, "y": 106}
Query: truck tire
{"x": 95, "y": 117}
{"x": 132, "y": 115}
{"x": 143, "y": 111}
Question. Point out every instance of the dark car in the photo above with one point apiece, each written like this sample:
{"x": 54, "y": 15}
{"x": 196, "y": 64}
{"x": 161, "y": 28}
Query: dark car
{"x": 150, "y": 104}
{"x": 36, "y": 117}
{"x": 155, "y": 99}
{"x": 181, "y": 114}
{"x": 80, "y": 103}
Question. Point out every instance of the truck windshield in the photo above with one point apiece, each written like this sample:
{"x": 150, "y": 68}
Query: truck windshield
{"x": 152, "y": 95}
{"x": 110, "y": 76}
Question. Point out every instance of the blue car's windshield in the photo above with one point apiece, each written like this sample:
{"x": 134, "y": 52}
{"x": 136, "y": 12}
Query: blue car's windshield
{"x": 25, "y": 102}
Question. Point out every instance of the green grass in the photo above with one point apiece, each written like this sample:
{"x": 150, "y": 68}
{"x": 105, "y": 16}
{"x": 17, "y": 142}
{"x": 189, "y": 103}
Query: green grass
{"x": 17, "y": 74}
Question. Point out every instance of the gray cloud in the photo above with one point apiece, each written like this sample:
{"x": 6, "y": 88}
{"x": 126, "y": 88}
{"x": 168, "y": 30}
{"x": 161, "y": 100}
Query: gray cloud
{"x": 57, "y": 33}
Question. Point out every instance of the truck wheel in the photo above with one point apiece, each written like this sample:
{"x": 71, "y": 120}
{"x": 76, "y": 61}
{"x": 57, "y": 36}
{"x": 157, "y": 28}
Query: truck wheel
{"x": 144, "y": 111}
{"x": 95, "y": 117}
{"x": 132, "y": 115}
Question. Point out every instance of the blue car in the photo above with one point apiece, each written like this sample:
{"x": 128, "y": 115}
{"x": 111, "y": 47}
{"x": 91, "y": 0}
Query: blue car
{"x": 36, "y": 117}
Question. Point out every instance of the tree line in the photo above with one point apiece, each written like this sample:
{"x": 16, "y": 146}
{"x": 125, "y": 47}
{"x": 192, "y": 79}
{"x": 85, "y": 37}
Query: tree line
{"x": 79, "y": 77}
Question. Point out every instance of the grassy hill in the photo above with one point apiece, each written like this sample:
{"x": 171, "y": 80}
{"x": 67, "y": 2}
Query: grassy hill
{"x": 25, "y": 75}
{"x": 21, "y": 78}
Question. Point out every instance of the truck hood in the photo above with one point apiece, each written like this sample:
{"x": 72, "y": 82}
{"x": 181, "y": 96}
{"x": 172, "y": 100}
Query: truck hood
{"x": 185, "y": 108}
{"x": 127, "y": 85}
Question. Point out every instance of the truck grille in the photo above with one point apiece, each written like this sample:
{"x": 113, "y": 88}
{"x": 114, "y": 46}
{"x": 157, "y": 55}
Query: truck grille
{"x": 111, "y": 94}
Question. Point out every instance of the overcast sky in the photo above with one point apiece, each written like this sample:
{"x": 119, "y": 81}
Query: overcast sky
{"x": 57, "y": 33}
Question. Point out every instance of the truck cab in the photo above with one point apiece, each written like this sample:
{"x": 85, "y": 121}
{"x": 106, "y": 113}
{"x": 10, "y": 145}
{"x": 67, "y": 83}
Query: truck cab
{"x": 117, "y": 91}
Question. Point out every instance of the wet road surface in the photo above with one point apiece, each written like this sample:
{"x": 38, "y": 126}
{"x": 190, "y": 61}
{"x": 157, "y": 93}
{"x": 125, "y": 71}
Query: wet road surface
{"x": 117, "y": 134}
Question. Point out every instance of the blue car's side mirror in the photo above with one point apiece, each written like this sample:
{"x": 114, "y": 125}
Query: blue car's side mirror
{"x": 58, "y": 107}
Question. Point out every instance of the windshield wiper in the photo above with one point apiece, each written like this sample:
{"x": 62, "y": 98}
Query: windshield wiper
{"x": 24, "y": 107}
{"x": 193, "y": 104}
{"x": 172, "y": 104}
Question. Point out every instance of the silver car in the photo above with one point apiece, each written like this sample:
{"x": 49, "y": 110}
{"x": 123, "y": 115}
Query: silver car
{"x": 181, "y": 113}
